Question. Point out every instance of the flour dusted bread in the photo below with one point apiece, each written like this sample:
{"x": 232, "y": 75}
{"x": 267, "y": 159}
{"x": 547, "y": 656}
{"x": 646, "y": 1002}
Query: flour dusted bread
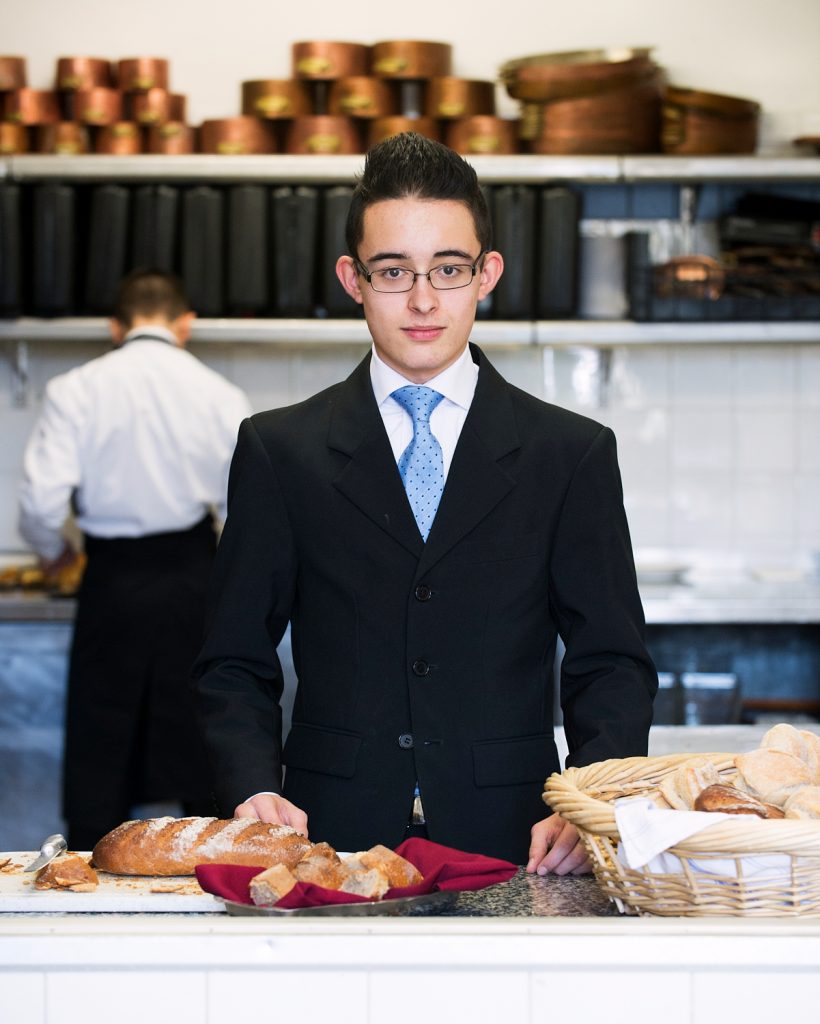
{"x": 804, "y": 803}
{"x": 174, "y": 846}
{"x": 800, "y": 743}
{"x": 680, "y": 787}
{"x": 69, "y": 871}
{"x": 399, "y": 872}
{"x": 772, "y": 775}
{"x": 730, "y": 800}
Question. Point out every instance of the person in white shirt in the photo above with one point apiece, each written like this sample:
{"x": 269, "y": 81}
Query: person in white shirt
{"x": 137, "y": 443}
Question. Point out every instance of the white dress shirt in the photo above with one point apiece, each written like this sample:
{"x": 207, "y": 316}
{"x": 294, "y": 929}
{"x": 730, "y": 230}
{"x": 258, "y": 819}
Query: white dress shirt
{"x": 457, "y": 383}
{"x": 139, "y": 439}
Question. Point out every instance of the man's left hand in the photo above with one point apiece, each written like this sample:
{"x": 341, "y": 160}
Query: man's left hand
{"x": 556, "y": 847}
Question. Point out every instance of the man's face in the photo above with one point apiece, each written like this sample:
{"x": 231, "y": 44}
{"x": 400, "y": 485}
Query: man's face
{"x": 420, "y": 332}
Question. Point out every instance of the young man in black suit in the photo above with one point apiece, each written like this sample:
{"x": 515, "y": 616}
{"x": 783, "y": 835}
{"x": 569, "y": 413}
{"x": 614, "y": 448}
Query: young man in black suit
{"x": 424, "y": 623}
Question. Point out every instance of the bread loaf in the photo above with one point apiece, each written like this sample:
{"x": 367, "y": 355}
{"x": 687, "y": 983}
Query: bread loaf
{"x": 174, "y": 846}
{"x": 772, "y": 775}
{"x": 271, "y": 885}
{"x": 69, "y": 871}
{"x": 730, "y": 800}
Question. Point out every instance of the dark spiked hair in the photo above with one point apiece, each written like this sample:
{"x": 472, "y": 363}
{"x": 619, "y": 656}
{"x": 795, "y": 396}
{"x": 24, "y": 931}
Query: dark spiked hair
{"x": 411, "y": 165}
{"x": 152, "y": 293}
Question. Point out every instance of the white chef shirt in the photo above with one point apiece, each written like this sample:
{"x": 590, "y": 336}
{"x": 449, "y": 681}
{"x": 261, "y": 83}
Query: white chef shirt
{"x": 457, "y": 383}
{"x": 140, "y": 439}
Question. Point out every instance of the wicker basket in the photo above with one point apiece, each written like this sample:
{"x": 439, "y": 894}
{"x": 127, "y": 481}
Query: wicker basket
{"x": 585, "y": 797}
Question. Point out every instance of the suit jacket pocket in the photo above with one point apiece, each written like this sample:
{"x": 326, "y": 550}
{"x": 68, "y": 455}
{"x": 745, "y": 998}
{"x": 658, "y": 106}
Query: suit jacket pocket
{"x": 512, "y": 762}
{"x": 315, "y": 749}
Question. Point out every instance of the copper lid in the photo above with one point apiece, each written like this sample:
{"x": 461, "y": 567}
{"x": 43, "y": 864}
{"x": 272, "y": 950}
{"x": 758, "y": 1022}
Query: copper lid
{"x": 12, "y": 73}
{"x": 549, "y": 76}
{"x": 82, "y": 73}
{"x": 230, "y": 136}
{"x": 120, "y": 139}
{"x": 362, "y": 96}
{"x": 156, "y": 106}
{"x": 383, "y": 127}
{"x": 328, "y": 61}
{"x": 138, "y": 74}
{"x": 13, "y": 138}
{"x": 171, "y": 138}
{"x": 275, "y": 98}
{"x": 64, "y": 138}
{"x": 410, "y": 58}
{"x": 31, "y": 106}
{"x": 482, "y": 133}
{"x": 323, "y": 133}
{"x": 98, "y": 105}
{"x": 712, "y": 102}
{"x": 450, "y": 97}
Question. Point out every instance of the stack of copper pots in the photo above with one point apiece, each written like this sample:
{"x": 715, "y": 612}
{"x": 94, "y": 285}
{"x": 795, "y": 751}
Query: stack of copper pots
{"x": 588, "y": 101}
{"x": 708, "y": 123}
{"x": 14, "y": 134}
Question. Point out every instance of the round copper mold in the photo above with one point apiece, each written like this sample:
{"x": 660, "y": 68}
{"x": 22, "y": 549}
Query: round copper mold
{"x": 275, "y": 98}
{"x": 65, "y": 138}
{"x": 82, "y": 73}
{"x": 362, "y": 96}
{"x": 120, "y": 139}
{"x": 156, "y": 106}
{"x": 550, "y": 76}
{"x": 327, "y": 61}
{"x": 13, "y": 138}
{"x": 237, "y": 136}
{"x": 385, "y": 127}
{"x": 139, "y": 74}
{"x": 482, "y": 134}
{"x": 709, "y": 124}
{"x": 450, "y": 98}
{"x": 173, "y": 138}
{"x": 410, "y": 58}
{"x": 12, "y": 73}
{"x": 99, "y": 106}
{"x": 323, "y": 134}
{"x": 31, "y": 106}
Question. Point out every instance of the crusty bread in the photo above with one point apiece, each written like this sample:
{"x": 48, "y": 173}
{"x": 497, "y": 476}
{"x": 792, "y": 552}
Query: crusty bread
{"x": 804, "y": 803}
{"x": 400, "y": 872}
{"x": 174, "y": 846}
{"x": 803, "y": 745}
{"x": 69, "y": 871}
{"x": 772, "y": 775}
{"x": 370, "y": 882}
{"x": 321, "y": 869}
{"x": 730, "y": 800}
{"x": 681, "y": 787}
{"x": 271, "y": 885}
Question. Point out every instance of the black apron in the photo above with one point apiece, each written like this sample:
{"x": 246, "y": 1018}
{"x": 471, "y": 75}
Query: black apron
{"x": 131, "y": 736}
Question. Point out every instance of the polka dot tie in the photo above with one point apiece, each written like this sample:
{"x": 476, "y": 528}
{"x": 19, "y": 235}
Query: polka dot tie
{"x": 421, "y": 466}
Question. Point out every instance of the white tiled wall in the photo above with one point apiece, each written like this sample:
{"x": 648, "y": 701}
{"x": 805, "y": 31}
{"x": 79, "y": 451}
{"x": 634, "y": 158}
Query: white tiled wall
{"x": 719, "y": 444}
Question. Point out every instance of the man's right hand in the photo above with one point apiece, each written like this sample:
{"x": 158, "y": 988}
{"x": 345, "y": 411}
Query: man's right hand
{"x": 275, "y": 809}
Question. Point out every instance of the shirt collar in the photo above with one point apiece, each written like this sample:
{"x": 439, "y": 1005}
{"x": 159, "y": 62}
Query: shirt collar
{"x": 457, "y": 383}
{"x": 152, "y": 332}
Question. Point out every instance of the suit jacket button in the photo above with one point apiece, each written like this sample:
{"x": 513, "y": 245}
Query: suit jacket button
{"x": 423, "y": 592}
{"x": 420, "y": 667}
{"x": 406, "y": 741}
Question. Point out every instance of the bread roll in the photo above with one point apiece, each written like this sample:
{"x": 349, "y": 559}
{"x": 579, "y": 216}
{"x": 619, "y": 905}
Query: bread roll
{"x": 681, "y": 787}
{"x": 271, "y": 885}
{"x": 803, "y": 745}
{"x": 69, "y": 871}
{"x": 174, "y": 846}
{"x": 730, "y": 800}
{"x": 804, "y": 803}
{"x": 772, "y": 775}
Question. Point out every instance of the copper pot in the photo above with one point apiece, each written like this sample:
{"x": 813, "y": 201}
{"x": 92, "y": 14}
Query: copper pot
{"x": 451, "y": 98}
{"x": 98, "y": 106}
{"x": 323, "y": 133}
{"x": 695, "y": 122}
{"x": 138, "y": 74}
{"x": 13, "y": 138}
{"x": 275, "y": 98}
{"x": 483, "y": 133}
{"x": 362, "y": 96}
{"x": 31, "y": 106}
{"x": 384, "y": 127}
{"x": 410, "y": 58}
{"x": 156, "y": 106}
{"x": 12, "y": 73}
{"x": 65, "y": 138}
{"x": 327, "y": 61}
{"x": 120, "y": 139}
{"x": 230, "y": 136}
{"x": 552, "y": 76}
{"x": 172, "y": 138}
{"x": 82, "y": 73}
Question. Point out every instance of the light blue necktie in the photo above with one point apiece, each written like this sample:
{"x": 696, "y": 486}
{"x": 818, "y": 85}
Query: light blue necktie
{"x": 421, "y": 465}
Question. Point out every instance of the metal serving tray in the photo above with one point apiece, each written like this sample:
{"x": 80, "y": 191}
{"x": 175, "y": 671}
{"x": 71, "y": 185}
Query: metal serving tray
{"x": 428, "y": 903}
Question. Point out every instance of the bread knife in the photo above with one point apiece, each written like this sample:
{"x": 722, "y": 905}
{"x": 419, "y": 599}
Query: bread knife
{"x": 52, "y": 847}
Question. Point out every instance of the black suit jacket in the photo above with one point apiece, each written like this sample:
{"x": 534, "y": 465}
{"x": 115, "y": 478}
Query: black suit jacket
{"x": 429, "y": 661}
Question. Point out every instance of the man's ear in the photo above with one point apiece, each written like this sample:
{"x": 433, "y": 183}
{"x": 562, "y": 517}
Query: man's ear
{"x": 117, "y": 331}
{"x": 491, "y": 271}
{"x": 347, "y": 274}
{"x": 181, "y": 328}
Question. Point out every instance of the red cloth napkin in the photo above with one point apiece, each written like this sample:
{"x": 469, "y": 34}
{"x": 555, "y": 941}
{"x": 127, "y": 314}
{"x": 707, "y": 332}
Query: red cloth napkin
{"x": 441, "y": 866}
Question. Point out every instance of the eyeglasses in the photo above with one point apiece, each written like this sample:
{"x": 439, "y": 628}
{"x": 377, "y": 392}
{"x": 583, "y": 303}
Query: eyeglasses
{"x": 443, "y": 277}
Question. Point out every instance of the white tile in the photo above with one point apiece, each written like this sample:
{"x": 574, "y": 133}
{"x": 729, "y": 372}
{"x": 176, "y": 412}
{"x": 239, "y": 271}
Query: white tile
{"x": 807, "y": 490}
{"x": 702, "y": 375}
{"x": 640, "y": 377}
{"x": 702, "y": 510}
{"x": 440, "y": 996}
{"x": 10, "y": 539}
{"x": 702, "y": 439}
{"x": 313, "y": 370}
{"x": 619, "y": 997}
{"x": 765, "y": 509}
{"x": 767, "y": 440}
{"x": 174, "y": 996}
{"x": 808, "y": 375}
{"x": 649, "y": 520}
{"x": 754, "y": 997}
{"x": 522, "y": 367}
{"x": 337, "y": 996}
{"x": 23, "y": 997}
{"x": 765, "y": 375}
{"x": 808, "y": 440}
{"x": 643, "y": 437}
{"x": 16, "y": 426}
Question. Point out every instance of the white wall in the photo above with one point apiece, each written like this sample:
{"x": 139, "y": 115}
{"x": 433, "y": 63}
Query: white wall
{"x": 764, "y": 49}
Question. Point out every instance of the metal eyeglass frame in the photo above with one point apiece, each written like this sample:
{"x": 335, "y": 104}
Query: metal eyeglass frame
{"x": 368, "y": 276}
